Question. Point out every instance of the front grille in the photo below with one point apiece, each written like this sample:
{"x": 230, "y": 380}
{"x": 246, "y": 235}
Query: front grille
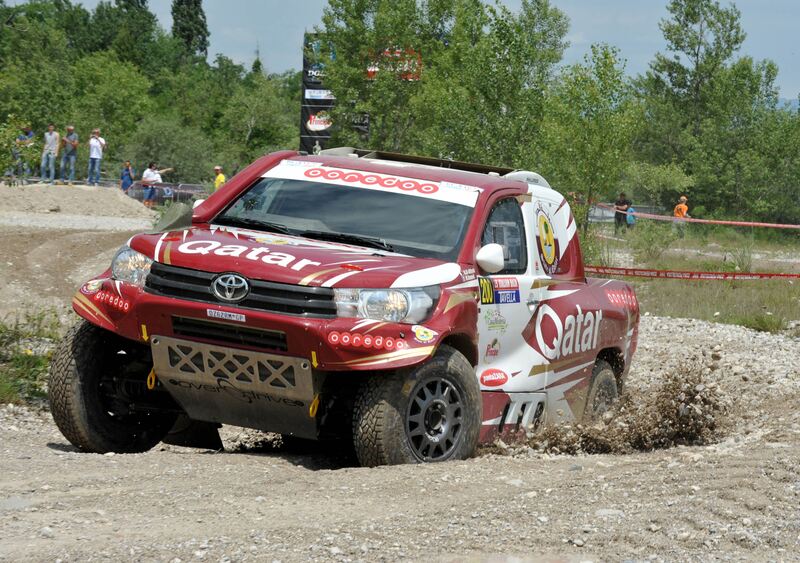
{"x": 233, "y": 334}
{"x": 195, "y": 285}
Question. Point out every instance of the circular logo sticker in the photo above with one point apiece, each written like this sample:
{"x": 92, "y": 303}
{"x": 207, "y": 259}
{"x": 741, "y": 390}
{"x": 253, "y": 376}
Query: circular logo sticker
{"x": 547, "y": 242}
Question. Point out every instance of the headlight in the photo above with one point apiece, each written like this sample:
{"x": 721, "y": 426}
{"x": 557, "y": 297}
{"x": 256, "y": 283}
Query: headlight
{"x": 392, "y": 305}
{"x": 130, "y": 266}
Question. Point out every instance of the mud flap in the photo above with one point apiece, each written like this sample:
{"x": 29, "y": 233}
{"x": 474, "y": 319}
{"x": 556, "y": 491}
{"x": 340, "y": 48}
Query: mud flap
{"x": 194, "y": 434}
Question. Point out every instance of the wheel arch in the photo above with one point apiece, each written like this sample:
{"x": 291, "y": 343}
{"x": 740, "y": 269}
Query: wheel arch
{"x": 616, "y": 360}
{"x": 463, "y": 344}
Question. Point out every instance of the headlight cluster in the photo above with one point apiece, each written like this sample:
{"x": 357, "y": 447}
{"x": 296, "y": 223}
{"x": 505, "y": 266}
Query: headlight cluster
{"x": 392, "y": 305}
{"x": 130, "y": 266}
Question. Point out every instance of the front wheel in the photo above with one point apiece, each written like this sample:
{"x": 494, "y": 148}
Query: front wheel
{"x": 95, "y": 378}
{"x": 430, "y": 413}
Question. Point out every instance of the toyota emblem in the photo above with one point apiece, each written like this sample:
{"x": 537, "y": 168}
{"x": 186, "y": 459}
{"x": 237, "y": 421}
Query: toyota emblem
{"x": 230, "y": 287}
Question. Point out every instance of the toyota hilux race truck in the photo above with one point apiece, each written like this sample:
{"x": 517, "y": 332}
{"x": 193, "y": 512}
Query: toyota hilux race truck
{"x": 413, "y": 307}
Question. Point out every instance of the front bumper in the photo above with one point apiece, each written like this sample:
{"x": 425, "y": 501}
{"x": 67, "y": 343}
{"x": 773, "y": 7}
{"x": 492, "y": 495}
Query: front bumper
{"x": 337, "y": 344}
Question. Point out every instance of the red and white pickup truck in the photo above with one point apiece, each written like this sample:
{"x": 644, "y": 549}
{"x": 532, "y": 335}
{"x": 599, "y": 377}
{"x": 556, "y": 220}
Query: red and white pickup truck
{"x": 410, "y": 306}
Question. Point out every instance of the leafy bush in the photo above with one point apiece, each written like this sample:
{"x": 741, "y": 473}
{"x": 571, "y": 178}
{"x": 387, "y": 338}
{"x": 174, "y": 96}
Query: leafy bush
{"x": 173, "y": 145}
{"x": 650, "y": 239}
{"x": 25, "y": 346}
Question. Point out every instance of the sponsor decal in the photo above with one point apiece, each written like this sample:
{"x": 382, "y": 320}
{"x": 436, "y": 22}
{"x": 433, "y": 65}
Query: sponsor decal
{"x": 468, "y": 274}
{"x": 112, "y": 300}
{"x": 493, "y": 378}
{"x": 264, "y": 254}
{"x": 574, "y": 334}
{"x": 317, "y": 94}
{"x": 372, "y": 180}
{"x": 224, "y": 386}
{"x": 622, "y": 298}
{"x": 495, "y": 322}
{"x": 365, "y": 341}
{"x": 92, "y": 287}
{"x": 319, "y": 121}
{"x": 275, "y": 240}
{"x": 546, "y": 242}
{"x": 226, "y": 315}
{"x": 492, "y": 351}
{"x": 459, "y": 187}
{"x": 300, "y": 163}
{"x": 423, "y": 335}
{"x": 498, "y": 290}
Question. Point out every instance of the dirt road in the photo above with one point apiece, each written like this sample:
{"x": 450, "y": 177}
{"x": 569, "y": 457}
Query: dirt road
{"x": 738, "y": 499}
{"x": 735, "y": 500}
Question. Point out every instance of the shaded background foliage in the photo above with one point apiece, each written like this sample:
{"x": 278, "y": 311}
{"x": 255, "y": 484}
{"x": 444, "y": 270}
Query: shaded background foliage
{"x": 703, "y": 120}
{"x": 152, "y": 92}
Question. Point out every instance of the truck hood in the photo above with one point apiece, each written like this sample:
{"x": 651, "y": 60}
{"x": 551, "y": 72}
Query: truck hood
{"x": 291, "y": 259}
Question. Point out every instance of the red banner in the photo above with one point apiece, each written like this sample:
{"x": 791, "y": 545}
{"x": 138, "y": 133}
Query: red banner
{"x": 707, "y": 221}
{"x": 685, "y": 275}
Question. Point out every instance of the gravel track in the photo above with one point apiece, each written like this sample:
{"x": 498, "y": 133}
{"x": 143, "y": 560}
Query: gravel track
{"x": 736, "y": 500}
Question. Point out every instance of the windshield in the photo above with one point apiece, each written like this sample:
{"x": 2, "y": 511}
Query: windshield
{"x": 384, "y": 220}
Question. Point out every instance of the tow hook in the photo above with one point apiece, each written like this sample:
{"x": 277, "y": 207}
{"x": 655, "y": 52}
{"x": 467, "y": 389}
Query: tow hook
{"x": 151, "y": 380}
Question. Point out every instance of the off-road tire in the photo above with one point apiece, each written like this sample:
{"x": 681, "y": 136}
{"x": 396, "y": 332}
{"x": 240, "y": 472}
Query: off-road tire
{"x": 602, "y": 393}
{"x": 75, "y": 398}
{"x": 384, "y": 402}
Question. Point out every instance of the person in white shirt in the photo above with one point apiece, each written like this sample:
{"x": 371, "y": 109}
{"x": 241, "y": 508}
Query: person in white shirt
{"x": 97, "y": 146}
{"x": 152, "y": 176}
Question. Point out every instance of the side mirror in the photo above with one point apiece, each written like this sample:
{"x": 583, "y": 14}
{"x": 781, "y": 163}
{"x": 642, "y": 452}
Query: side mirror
{"x": 197, "y": 203}
{"x": 490, "y": 258}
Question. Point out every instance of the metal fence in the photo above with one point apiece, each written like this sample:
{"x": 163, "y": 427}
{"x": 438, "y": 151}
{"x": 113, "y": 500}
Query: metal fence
{"x": 168, "y": 193}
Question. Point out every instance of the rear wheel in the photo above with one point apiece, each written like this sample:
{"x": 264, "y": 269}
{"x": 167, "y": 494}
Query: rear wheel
{"x": 430, "y": 413}
{"x": 97, "y": 393}
{"x": 603, "y": 393}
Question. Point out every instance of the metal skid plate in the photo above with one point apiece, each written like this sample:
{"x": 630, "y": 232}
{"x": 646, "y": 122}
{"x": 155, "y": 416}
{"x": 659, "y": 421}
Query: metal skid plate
{"x": 239, "y": 387}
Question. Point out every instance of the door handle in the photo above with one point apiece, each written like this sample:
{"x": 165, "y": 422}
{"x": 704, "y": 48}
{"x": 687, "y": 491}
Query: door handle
{"x": 532, "y": 303}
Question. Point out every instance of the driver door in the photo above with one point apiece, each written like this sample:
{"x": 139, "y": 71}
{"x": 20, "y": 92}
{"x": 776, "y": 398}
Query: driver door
{"x": 505, "y": 302}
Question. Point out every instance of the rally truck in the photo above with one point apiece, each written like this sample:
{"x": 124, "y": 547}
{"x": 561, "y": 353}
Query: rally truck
{"x": 408, "y": 307}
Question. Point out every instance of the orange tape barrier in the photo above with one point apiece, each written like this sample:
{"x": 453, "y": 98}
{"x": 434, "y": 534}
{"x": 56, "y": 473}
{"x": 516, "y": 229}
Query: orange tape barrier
{"x": 685, "y": 275}
{"x": 707, "y": 221}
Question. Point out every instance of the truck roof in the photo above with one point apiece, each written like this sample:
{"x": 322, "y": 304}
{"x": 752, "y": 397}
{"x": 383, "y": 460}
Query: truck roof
{"x": 489, "y": 178}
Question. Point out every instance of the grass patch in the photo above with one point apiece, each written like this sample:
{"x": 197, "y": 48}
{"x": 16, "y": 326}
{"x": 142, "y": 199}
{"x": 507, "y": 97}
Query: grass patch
{"x": 25, "y": 348}
{"x": 760, "y": 304}
{"x": 765, "y": 305}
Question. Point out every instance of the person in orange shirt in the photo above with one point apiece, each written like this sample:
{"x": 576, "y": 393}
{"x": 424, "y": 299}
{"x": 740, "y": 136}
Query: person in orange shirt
{"x": 681, "y": 211}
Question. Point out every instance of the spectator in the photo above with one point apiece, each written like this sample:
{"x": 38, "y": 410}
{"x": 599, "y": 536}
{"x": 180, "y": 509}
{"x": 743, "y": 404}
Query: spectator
{"x": 631, "y": 219}
{"x": 97, "y": 145}
{"x": 127, "y": 176}
{"x": 24, "y": 139}
{"x": 70, "y": 144}
{"x": 621, "y": 214}
{"x": 52, "y": 142}
{"x": 219, "y": 177}
{"x": 151, "y": 177}
{"x": 681, "y": 212}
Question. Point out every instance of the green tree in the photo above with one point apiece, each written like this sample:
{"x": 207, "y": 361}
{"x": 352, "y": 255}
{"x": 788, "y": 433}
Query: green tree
{"x": 589, "y": 119}
{"x": 482, "y": 97}
{"x": 166, "y": 141}
{"x": 35, "y": 82}
{"x": 460, "y": 79}
{"x": 702, "y": 37}
{"x": 655, "y": 184}
{"x": 258, "y": 120}
{"x": 109, "y": 94}
{"x": 189, "y": 25}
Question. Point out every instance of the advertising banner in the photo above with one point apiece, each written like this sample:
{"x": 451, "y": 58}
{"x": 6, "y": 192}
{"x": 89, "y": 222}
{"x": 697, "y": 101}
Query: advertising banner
{"x": 315, "y": 120}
